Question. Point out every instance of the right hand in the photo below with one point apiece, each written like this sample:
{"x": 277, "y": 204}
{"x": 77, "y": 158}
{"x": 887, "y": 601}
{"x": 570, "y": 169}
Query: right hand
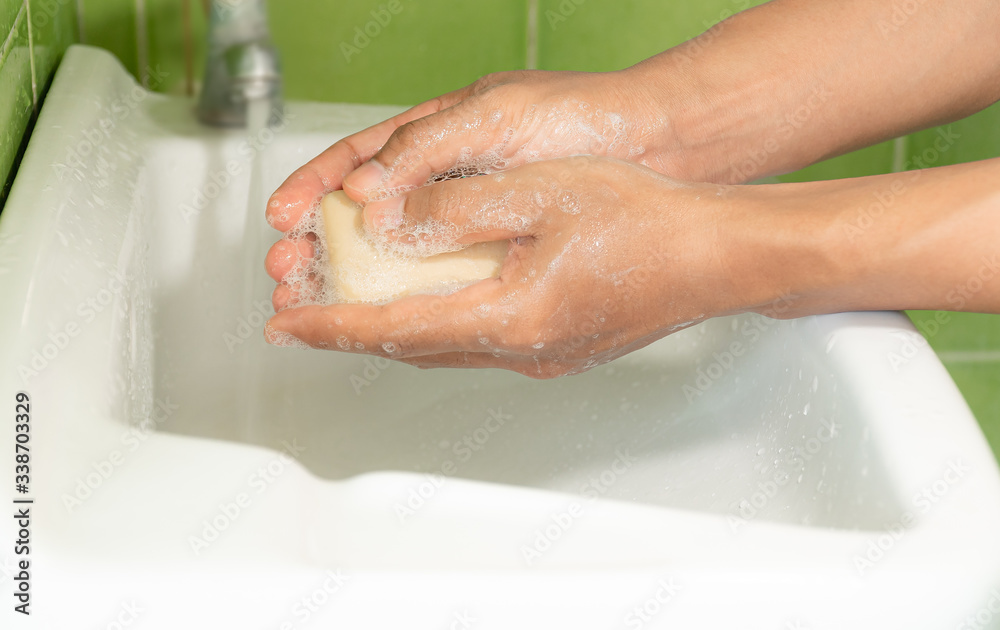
{"x": 501, "y": 121}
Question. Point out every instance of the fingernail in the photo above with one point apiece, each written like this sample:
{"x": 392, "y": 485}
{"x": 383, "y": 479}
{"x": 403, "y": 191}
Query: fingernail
{"x": 366, "y": 177}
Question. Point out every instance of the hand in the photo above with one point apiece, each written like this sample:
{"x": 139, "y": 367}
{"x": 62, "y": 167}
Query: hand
{"x": 605, "y": 257}
{"x": 501, "y": 121}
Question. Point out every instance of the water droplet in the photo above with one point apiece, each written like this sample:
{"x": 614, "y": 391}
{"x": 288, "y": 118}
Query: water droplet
{"x": 831, "y": 343}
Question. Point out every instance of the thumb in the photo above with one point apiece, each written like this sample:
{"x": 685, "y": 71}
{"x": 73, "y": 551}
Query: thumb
{"x": 460, "y": 211}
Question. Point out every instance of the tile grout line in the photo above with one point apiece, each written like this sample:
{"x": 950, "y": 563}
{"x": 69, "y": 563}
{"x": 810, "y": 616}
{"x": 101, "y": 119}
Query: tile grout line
{"x": 531, "y": 53}
{"x": 80, "y": 34}
{"x": 142, "y": 42}
{"x": 969, "y": 356}
{"x": 9, "y": 42}
{"x": 899, "y": 148}
{"x": 31, "y": 59}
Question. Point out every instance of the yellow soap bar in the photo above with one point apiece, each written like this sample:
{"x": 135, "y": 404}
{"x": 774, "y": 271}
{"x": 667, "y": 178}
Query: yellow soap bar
{"x": 364, "y": 273}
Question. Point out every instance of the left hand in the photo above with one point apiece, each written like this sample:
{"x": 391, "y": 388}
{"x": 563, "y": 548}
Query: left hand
{"x": 605, "y": 257}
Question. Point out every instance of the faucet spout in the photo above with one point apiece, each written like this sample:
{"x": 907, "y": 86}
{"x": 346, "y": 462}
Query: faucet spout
{"x": 241, "y": 66}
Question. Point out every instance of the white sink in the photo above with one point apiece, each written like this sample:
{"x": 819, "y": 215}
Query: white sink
{"x": 746, "y": 473}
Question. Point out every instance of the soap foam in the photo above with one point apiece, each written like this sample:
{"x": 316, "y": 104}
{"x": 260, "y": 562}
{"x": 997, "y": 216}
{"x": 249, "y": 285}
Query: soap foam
{"x": 307, "y": 279}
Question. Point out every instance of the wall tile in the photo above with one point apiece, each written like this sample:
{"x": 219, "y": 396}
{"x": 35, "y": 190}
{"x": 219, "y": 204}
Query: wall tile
{"x": 873, "y": 160}
{"x": 167, "y": 42}
{"x": 600, "y": 35}
{"x": 979, "y": 384}
{"x": 974, "y": 138}
{"x": 957, "y": 334}
{"x": 16, "y": 104}
{"x": 8, "y": 12}
{"x": 342, "y": 52}
{"x": 958, "y": 331}
{"x": 110, "y": 24}
{"x": 53, "y": 26}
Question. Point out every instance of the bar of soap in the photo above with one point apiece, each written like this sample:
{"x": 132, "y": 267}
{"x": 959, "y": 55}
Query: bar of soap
{"x": 363, "y": 273}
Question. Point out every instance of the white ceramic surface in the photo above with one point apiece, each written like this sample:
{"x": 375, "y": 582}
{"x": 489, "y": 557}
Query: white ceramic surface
{"x": 745, "y": 473}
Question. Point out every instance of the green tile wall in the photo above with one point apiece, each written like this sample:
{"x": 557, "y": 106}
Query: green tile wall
{"x": 969, "y": 347}
{"x": 422, "y": 48}
{"x": 366, "y": 51}
{"x": 35, "y": 34}
{"x": 598, "y": 36}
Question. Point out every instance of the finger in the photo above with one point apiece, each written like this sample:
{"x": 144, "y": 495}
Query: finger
{"x": 534, "y": 368}
{"x": 284, "y": 255}
{"x": 474, "y": 209}
{"x": 410, "y": 327}
{"x": 280, "y": 297}
{"x": 326, "y": 172}
{"x": 469, "y": 137}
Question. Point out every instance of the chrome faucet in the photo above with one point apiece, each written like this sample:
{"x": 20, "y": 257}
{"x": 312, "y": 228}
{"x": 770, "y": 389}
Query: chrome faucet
{"x": 242, "y": 64}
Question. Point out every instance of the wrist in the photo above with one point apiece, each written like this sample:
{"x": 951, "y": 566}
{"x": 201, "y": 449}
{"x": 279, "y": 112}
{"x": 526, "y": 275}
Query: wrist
{"x": 788, "y": 252}
{"x": 702, "y": 125}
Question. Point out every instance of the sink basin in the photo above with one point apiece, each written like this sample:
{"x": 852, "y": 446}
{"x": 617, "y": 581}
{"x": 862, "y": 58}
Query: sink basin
{"x": 747, "y": 472}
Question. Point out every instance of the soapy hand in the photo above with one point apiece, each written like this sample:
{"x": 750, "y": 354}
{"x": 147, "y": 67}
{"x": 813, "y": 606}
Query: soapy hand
{"x": 500, "y": 121}
{"x": 605, "y": 257}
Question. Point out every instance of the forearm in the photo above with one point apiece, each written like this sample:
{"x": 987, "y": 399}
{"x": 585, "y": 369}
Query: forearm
{"x": 792, "y": 82}
{"x": 918, "y": 240}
